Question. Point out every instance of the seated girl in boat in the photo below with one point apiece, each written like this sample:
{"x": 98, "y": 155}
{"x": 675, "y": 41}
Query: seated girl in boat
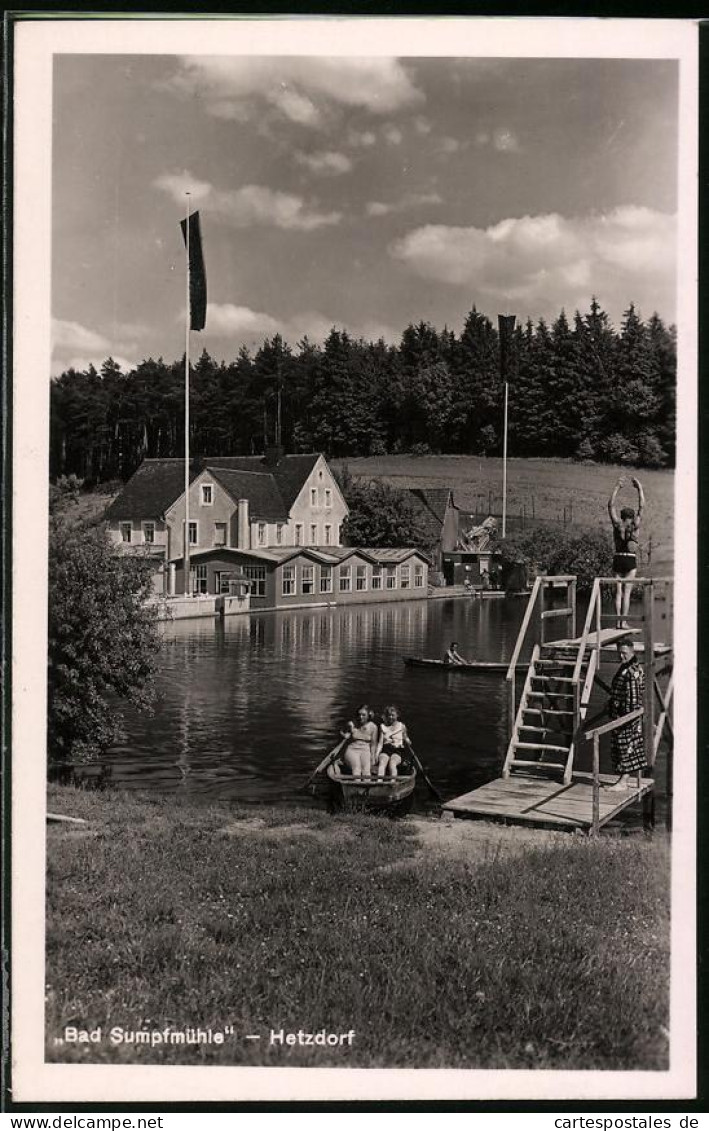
{"x": 392, "y": 751}
{"x": 362, "y": 741}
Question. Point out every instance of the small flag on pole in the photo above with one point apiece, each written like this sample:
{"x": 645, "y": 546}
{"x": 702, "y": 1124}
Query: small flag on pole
{"x": 198, "y": 278}
{"x": 506, "y": 323}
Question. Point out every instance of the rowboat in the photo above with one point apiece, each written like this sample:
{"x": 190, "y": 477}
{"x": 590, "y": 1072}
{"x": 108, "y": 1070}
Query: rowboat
{"x": 374, "y": 793}
{"x": 470, "y": 668}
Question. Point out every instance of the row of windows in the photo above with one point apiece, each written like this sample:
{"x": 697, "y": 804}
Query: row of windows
{"x": 318, "y": 496}
{"x": 361, "y": 578}
{"x": 331, "y": 534}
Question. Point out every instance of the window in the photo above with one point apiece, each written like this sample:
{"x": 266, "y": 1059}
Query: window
{"x": 299, "y": 533}
{"x": 338, "y": 534}
{"x": 418, "y": 576}
{"x": 126, "y": 532}
{"x": 221, "y": 581}
{"x": 391, "y": 577}
{"x": 193, "y": 533}
{"x": 200, "y": 579}
{"x": 149, "y": 532}
{"x": 328, "y": 534}
{"x": 345, "y": 579}
{"x": 313, "y": 496}
{"x": 326, "y": 579}
{"x": 207, "y": 494}
{"x": 288, "y": 578}
{"x": 406, "y": 576}
{"x": 328, "y": 497}
{"x": 262, "y": 533}
{"x": 279, "y": 533}
{"x": 307, "y": 579}
{"x": 377, "y": 572}
{"x": 256, "y": 576}
{"x": 220, "y": 534}
{"x": 361, "y": 578}
{"x": 313, "y": 534}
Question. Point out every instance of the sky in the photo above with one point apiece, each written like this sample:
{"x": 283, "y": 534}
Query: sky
{"x": 362, "y": 193}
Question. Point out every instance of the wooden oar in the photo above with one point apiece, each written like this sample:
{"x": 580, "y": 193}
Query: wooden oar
{"x": 424, "y": 775}
{"x": 327, "y": 760}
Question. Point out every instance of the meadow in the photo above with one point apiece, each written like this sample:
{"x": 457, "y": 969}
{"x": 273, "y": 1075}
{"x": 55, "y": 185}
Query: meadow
{"x": 460, "y": 945}
{"x": 544, "y": 488}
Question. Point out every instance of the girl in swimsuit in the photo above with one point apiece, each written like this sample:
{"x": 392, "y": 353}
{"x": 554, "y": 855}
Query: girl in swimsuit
{"x": 393, "y": 740}
{"x": 361, "y": 751}
{"x": 626, "y": 530}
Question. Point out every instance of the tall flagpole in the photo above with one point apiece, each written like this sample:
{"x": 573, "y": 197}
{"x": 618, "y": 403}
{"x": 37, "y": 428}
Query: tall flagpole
{"x": 506, "y": 325}
{"x": 187, "y": 401}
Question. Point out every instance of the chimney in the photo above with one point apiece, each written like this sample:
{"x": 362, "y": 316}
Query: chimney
{"x": 243, "y": 530}
{"x": 272, "y": 454}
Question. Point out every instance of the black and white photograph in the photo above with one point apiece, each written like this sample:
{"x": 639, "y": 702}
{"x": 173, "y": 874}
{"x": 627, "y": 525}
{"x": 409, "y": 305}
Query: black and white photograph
{"x": 354, "y": 553}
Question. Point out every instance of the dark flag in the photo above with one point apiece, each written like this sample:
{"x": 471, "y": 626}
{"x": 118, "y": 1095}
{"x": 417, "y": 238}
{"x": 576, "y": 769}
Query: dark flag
{"x": 198, "y": 278}
{"x": 506, "y": 323}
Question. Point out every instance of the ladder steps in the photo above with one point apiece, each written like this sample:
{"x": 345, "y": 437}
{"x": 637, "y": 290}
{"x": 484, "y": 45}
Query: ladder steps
{"x": 547, "y": 661}
{"x": 549, "y": 695}
{"x": 556, "y": 613}
{"x": 554, "y": 678}
{"x": 541, "y": 746}
{"x": 537, "y": 765}
{"x": 546, "y": 711}
{"x": 545, "y": 730}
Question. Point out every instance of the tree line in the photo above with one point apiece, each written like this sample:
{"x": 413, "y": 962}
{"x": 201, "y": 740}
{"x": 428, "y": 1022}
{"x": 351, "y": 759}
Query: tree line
{"x": 578, "y": 389}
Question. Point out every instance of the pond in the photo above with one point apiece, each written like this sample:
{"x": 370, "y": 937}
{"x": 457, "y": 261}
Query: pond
{"x": 248, "y": 706}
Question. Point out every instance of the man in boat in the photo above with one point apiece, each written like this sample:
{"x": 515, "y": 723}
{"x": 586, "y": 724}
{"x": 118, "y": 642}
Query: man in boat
{"x": 453, "y": 656}
{"x": 626, "y": 531}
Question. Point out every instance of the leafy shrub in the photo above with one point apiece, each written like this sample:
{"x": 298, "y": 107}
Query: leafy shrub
{"x": 420, "y": 449}
{"x": 587, "y": 554}
{"x": 650, "y": 450}
{"x": 585, "y": 450}
{"x": 380, "y": 515}
{"x": 617, "y": 448}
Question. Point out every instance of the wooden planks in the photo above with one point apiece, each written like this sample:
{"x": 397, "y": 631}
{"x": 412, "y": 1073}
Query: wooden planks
{"x": 530, "y": 800}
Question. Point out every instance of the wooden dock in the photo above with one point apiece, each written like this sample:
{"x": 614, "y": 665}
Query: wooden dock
{"x": 528, "y": 799}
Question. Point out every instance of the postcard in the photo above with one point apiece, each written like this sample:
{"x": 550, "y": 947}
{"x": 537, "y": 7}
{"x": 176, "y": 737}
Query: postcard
{"x": 354, "y": 543}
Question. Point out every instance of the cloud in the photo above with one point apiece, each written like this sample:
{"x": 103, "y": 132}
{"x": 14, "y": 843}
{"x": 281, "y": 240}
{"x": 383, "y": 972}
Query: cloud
{"x": 300, "y": 88}
{"x": 249, "y": 327}
{"x": 361, "y": 139}
{"x": 422, "y": 125}
{"x": 548, "y": 261}
{"x": 392, "y": 135}
{"x": 410, "y": 200}
{"x": 77, "y": 347}
{"x": 250, "y": 204}
{"x": 325, "y": 162}
{"x": 449, "y": 144}
{"x": 505, "y": 141}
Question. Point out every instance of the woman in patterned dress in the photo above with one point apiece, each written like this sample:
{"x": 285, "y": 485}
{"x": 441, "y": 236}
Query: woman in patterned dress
{"x": 627, "y": 744}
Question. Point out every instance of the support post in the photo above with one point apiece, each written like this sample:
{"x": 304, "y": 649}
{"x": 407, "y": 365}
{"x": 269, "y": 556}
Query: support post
{"x": 596, "y": 816}
{"x": 649, "y": 693}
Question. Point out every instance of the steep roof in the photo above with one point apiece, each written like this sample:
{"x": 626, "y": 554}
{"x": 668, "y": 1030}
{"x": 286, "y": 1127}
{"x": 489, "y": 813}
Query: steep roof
{"x": 289, "y": 472}
{"x": 151, "y": 489}
{"x": 431, "y": 504}
{"x": 260, "y": 488}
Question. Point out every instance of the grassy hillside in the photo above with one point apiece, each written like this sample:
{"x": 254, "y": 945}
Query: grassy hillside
{"x": 543, "y": 486}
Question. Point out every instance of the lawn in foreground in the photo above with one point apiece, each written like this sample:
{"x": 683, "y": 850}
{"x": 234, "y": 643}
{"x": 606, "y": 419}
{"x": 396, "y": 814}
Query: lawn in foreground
{"x": 546, "y": 953}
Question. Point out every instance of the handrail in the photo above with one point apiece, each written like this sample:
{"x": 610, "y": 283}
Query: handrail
{"x": 614, "y": 723}
{"x": 524, "y": 626}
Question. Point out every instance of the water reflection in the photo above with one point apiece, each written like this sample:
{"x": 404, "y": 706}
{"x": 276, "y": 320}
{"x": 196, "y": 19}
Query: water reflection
{"x": 247, "y": 707}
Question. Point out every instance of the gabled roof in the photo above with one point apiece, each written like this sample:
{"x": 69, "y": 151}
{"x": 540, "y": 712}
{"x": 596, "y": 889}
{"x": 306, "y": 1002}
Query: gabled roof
{"x": 431, "y": 504}
{"x": 383, "y": 555}
{"x": 151, "y": 489}
{"x": 260, "y": 488}
{"x": 289, "y": 472}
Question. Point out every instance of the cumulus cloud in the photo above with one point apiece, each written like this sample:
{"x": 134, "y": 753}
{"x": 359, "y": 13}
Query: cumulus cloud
{"x": 75, "y": 346}
{"x": 361, "y": 139}
{"x": 73, "y": 336}
{"x": 422, "y": 125}
{"x": 505, "y": 141}
{"x": 250, "y": 204}
{"x": 411, "y": 200}
{"x": 392, "y": 134}
{"x": 326, "y": 162}
{"x": 449, "y": 144}
{"x": 250, "y": 327}
{"x": 299, "y": 88}
{"x": 548, "y": 261}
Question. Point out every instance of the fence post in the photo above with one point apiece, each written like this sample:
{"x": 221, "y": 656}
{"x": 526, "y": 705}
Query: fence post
{"x": 596, "y": 822}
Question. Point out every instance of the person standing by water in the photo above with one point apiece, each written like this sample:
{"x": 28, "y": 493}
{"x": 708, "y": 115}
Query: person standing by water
{"x": 627, "y": 745}
{"x": 626, "y": 531}
{"x": 363, "y": 739}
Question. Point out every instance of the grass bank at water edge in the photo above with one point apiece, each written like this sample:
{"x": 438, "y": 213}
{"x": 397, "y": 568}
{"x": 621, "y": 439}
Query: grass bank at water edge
{"x": 441, "y": 945}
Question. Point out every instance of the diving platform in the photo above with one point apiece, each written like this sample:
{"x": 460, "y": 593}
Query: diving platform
{"x": 548, "y": 703}
{"x": 544, "y": 803}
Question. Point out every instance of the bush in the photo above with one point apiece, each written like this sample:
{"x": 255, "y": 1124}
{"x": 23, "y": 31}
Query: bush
{"x": 617, "y": 448}
{"x": 585, "y": 451}
{"x": 587, "y": 555}
{"x": 650, "y": 450}
{"x": 380, "y": 515}
{"x": 102, "y": 640}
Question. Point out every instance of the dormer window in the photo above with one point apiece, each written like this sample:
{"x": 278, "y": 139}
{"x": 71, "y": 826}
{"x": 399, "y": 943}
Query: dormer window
{"x": 207, "y": 494}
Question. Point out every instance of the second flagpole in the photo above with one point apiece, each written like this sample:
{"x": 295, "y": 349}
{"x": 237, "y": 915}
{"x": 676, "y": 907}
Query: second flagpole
{"x": 187, "y": 399}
